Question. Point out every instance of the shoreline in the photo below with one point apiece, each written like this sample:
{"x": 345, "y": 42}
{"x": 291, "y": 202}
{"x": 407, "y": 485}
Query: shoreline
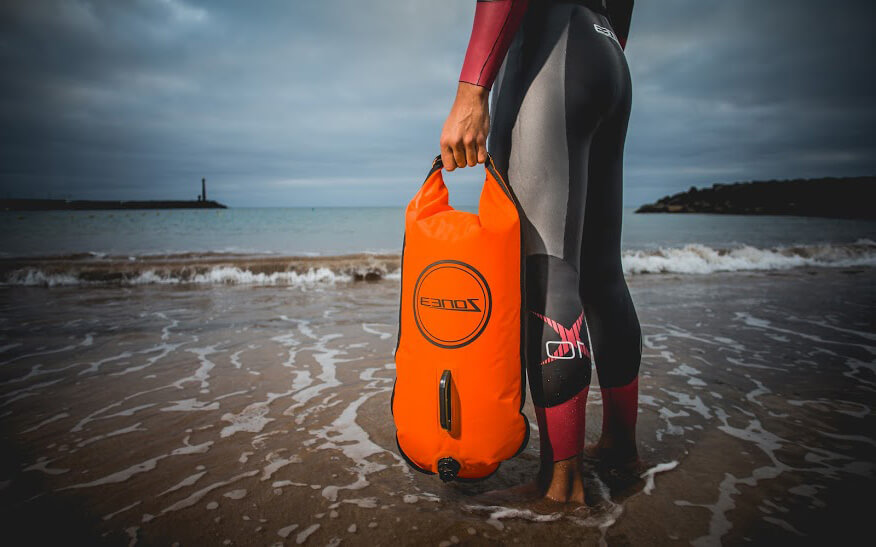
{"x": 184, "y": 268}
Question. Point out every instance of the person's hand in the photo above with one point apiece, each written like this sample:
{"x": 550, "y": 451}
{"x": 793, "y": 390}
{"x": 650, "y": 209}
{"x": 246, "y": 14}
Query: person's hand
{"x": 464, "y": 137}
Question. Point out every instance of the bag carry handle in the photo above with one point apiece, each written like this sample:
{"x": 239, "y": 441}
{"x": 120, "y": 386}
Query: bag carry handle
{"x": 489, "y": 167}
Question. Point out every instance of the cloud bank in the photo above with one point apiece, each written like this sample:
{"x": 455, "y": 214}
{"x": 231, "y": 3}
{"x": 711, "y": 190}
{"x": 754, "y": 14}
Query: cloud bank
{"x": 341, "y": 102}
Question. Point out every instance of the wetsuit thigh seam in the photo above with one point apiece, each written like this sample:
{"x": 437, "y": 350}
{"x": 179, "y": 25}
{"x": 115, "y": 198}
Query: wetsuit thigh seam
{"x": 577, "y": 157}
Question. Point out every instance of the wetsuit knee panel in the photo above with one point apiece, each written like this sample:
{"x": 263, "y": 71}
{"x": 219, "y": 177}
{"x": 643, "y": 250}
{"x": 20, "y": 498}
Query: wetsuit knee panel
{"x": 558, "y": 356}
{"x": 615, "y": 334}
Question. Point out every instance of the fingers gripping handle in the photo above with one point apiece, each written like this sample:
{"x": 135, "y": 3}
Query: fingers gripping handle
{"x": 438, "y": 163}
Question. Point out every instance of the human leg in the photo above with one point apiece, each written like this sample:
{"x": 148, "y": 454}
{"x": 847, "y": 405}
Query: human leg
{"x": 615, "y": 332}
{"x": 558, "y": 83}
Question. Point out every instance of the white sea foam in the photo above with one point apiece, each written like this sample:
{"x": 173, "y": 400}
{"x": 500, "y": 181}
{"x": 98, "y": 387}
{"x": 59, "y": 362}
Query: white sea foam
{"x": 236, "y": 276}
{"x": 189, "y": 405}
{"x": 302, "y": 536}
{"x": 122, "y": 510}
{"x": 366, "y": 503}
{"x": 286, "y": 530}
{"x": 144, "y": 466}
{"x": 850, "y": 408}
{"x": 346, "y": 435}
{"x": 8, "y": 347}
{"x": 251, "y": 419}
{"x": 188, "y": 481}
{"x": 694, "y": 258}
{"x": 219, "y": 275}
{"x": 499, "y": 512}
{"x": 275, "y": 463}
{"x": 369, "y": 328}
{"x": 47, "y": 421}
{"x": 659, "y": 468}
{"x": 121, "y": 431}
{"x": 195, "y": 497}
{"x": 43, "y": 465}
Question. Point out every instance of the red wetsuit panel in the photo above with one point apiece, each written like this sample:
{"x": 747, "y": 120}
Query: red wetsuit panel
{"x": 561, "y": 427}
{"x": 620, "y": 408}
{"x": 495, "y": 23}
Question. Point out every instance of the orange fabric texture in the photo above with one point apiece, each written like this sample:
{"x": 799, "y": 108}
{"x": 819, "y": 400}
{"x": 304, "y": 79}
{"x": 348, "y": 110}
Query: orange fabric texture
{"x": 460, "y": 310}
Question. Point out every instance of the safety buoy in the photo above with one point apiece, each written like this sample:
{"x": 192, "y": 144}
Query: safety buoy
{"x": 457, "y": 400}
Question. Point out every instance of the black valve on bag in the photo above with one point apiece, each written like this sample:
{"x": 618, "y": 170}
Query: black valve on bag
{"x": 447, "y": 469}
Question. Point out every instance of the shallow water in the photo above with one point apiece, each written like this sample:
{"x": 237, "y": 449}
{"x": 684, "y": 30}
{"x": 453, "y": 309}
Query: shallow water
{"x": 260, "y": 414}
{"x": 327, "y": 231}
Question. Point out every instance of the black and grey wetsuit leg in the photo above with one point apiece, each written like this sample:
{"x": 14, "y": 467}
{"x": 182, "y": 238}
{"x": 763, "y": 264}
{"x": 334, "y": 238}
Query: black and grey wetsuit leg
{"x": 560, "y": 108}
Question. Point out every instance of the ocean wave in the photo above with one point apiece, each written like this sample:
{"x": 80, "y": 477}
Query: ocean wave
{"x": 238, "y": 269}
{"x": 197, "y": 268}
{"x": 702, "y": 259}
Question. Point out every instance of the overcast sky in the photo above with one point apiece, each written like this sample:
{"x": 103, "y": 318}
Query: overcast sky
{"x": 341, "y": 102}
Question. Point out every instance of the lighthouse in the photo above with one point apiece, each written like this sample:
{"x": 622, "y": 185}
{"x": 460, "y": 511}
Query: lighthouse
{"x": 203, "y": 189}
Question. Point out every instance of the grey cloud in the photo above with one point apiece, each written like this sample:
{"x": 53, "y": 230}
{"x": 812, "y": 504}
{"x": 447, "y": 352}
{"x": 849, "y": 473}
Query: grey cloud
{"x": 341, "y": 102}
{"x": 746, "y": 90}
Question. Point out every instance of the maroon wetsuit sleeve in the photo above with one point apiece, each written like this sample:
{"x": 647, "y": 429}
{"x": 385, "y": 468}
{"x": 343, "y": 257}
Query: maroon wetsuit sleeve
{"x": 495, "y": 23}
{"x": 620, "y": 12}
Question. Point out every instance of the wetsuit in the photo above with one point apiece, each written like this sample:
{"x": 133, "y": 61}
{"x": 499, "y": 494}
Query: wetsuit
{"x": 560, "y": 107}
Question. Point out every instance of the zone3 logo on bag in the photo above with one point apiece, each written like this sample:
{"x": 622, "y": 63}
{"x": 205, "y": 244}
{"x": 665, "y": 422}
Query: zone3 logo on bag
{"x": 452, "y": 303}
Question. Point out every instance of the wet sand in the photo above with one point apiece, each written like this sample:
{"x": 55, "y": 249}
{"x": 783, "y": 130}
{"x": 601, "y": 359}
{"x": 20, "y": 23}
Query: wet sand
{"x": 259, "y": 415}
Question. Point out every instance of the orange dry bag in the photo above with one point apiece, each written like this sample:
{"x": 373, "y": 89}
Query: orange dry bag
{"x": 460, "y": 384}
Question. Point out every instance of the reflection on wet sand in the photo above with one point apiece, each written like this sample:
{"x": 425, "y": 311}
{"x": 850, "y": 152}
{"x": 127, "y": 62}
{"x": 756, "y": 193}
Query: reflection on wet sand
{"x": 260, "y": 415}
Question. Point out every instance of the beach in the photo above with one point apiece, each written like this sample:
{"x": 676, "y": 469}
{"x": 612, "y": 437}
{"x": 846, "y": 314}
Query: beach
{"x": 204, "y": 212}
{"x": 249, "y": 413}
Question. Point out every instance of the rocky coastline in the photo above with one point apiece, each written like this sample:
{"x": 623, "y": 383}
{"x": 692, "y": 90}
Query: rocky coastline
{"x": 850, "y": 197}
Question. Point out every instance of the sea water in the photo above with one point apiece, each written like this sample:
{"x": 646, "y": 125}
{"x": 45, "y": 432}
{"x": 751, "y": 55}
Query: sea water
{"x": 651, "y": 243}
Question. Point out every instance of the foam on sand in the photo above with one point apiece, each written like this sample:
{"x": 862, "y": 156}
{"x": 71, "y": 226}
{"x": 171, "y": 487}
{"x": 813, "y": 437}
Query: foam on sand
{"x": 649, "y": 474}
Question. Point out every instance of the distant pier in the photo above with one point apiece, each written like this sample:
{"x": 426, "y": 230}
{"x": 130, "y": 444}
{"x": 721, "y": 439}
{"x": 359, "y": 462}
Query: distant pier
{"x": 86, "y": 205}
{"x": 15, "y": 204}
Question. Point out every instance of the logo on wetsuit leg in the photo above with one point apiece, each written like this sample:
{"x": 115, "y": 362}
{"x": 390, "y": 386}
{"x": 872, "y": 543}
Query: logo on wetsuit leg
{"x": 571, "y": 346}
{"x": 452, "y": 303}
{"x": 605, "y": 31}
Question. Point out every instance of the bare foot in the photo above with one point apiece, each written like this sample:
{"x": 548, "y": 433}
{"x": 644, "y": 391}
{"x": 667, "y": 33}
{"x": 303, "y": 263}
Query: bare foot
{"x": 567, "y": 482}
{"x": 558, "y": 484}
